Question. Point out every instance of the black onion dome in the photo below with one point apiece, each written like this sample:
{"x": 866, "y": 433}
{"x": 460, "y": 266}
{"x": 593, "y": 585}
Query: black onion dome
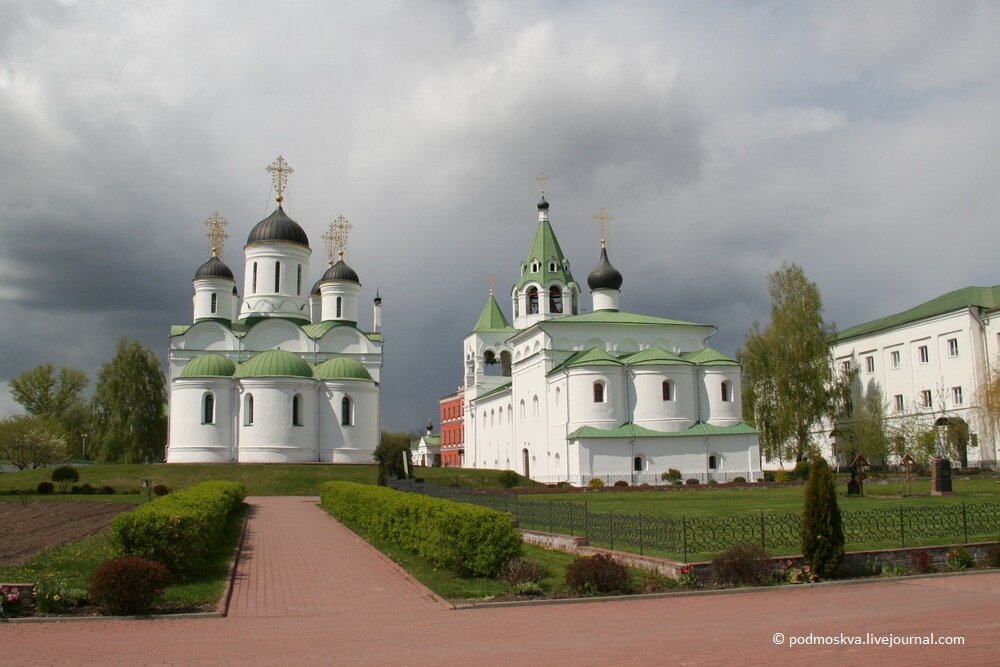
{"x": 315, "y": 289}
{"x": 214, "y": 268}
{"x": 542, "y": 204}
{"x": 278, "y": 227}
{"x": 604, "y": 276}
{"x": 340, "y": 271}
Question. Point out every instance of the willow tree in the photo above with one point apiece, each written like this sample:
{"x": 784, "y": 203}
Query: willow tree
{"x": 128, "y": 408}
{"x": 788, "y": 380}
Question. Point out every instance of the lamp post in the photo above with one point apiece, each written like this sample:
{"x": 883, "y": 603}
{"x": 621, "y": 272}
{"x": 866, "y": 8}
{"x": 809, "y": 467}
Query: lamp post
{"x": 83, "y": 450}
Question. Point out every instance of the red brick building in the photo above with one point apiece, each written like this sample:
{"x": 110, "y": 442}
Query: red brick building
{"x": 452, "y": 431}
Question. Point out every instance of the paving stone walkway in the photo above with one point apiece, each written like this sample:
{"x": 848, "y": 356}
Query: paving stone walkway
{"x": 309, "y": 592}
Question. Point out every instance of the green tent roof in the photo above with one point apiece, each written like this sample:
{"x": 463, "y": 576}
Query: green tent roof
{"x": 654, "y": 356}
{"x": 619, "y": 317}
{"x": 275, "y": 363}
{"x": 342, "y": 368}
{"x": 545, "y": 247}
{"x": 492, "y": 319}
{"x": 631, "y": 430}
{"x": 209, "y": 365}
{"x": 987, "y": 298}
{"x": 709, "y": 357}
{"x": 432, "y": 439}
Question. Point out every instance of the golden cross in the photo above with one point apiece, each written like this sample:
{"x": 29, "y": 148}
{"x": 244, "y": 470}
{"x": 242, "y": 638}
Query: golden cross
{"x": 336, "y": 238}
{"x": 491, "y": 281}
{"x": 279, "y": 175}
{"x": 542, "y": 180}
{"x": 603, "y": 219}
{"x": 216, "y": 233}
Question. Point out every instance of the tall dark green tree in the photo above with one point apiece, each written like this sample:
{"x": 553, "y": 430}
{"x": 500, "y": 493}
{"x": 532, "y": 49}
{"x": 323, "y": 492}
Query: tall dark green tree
{"x": 822, "y": 530}
{"x": 788, "y": 380}
{"x": 389, "y": 456}
{"x": 129, "y": 423}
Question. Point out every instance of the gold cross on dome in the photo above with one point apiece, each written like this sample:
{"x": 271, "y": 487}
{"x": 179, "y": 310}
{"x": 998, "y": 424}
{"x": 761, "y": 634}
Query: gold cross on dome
{"x": 336, "y": 238}
{"x": 603, "y": 219}
{"x": 216, "y": 233}
{"x": 279, "y": 175}
{"x": 542, "y": 180}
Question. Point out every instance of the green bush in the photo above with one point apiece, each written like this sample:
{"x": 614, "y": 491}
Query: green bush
{"x": 521, "y": 570}
{"x": 671, "y": 475}
{"x": 63, "y": 475}
{"x": 160, "y": 489}
{"x": 739, "y": 480}
{"x": 84, "y": 489}
{"x": 801, "y": 471}
{"x": 621, "y": 483}
{"x": 463, "y": 538}
{"x": 691, "y": 482}
{"x": 742, "y": 565}
{"x": 781, "y": 476}
{"x": 822, "y": 529}
{"x": 44, "y": 487}
{"x": 127, "y": 585}
{"x": 179, "y": 530}
{"x": 600, "y": 573}
{"x": 595, "y": 483}
{"x": 508, "y": 479}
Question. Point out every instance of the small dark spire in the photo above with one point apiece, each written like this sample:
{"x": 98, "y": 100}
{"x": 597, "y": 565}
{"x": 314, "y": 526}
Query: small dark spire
{"x": 378, "y": 298}
{"x": 605, "y": 276}
{"x": 542, "y": 204}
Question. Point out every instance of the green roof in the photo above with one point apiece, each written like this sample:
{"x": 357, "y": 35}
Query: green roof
{"x": 709, "y": 357}
{"x": 619, "y": 317}
{"x": 314, "y": 331}
{"x": 209, "y": 365}
{"x": 432, "y": 439}
{"x": 545, "y": 247}
{"x": 595, "y": 356}
{"x": 502, "y": 388}
{"x": 630, "y": 430}
{"x": 275, "y": 363}
{"x": 968, "y": 297}
{"x": 654, "y": 356}
{"x": 342, "y": 368}
{"x": 492, "y": 319}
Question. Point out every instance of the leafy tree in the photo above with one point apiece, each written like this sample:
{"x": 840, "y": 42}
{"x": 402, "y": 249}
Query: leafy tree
{"x": 63, "y": 475}
{"x": 788, "y": 380}
{"x": 822, "y": 530}
{"x": 30, "y": 442}
{"x": 866, "y": 432}
{"x": 389, "y": 456}
{"x": 128, "y": 416}
{"x": 57, "y": 398}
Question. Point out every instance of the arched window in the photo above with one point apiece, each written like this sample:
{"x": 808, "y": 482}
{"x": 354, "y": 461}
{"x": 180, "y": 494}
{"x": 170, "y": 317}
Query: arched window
{"x": 555, "y": 300}
{"x": 346, "y": 412}
{"x": 215, "y": 303}
{"x": 277, "y": 277}
{"x": 558, "y": 397}
{"x": 253, "y": 279}
{"x": 727, "y": 390}
{"x": 208, "y": 409}
{"x": 598, "y": 392}
{"x": 505, "y": 363}
{"x": 517, "y": 305}
{"x": 248, "y": 410}
{"x": 713, "y": 463}
{"x": 490, "y": 361}
{"x": 340, "y": 306}
{"x": 534, "y": 267}
{"x": 668, "y": 390}
{"x": 493, "y": 418}
{"x": 298, "y": 282}
{"x": 637, "y": 464}
{"x": 524, "y": 457}
{"x": 534, "y": 407}
{"x": 297, "y": 410}
{"x": 552, "y": 267}
{"x": 522, "y": 409}
{"x": 533, "y": 301}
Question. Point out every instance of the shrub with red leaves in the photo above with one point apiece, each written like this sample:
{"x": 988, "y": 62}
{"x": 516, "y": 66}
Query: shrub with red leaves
{"x": 127, "y": 585}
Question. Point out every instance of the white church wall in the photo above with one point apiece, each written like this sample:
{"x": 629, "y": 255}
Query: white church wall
{"x": 204, "y": 289}
{"x": 714, "y": 408}
{"x": 192, "y": 440}
{"x": 277, "y": 334}
{"x": 260, "y": 299}
{"x": 354, "y": 442}
{"x": 651, "y": 410}
{"x": 272, "y": 437}
{"x": 205, "y": 335}
{"x": 345, "y": 340}
{"x": 584, "y": 410}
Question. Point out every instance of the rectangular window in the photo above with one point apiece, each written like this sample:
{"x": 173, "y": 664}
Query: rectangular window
{"x": 869, "y": 364}
{"x": 277, "y": 277}
{"x": 899, "y": 402}
{"x": 923, "y": 354}
{"x": 952, "y": 347}
{"x": 894, "y": 358}
{"x": 215, "y": 303}
{"x": 925, "y": 398}
{"x": 956, "y": 395}
{"x": 845, "y": 367}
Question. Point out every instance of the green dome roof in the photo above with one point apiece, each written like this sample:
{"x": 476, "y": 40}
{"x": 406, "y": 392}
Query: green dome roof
{"x": 209, "y": 365}
{"x": 275, "y": 363}
{"x": 342, "y": 368}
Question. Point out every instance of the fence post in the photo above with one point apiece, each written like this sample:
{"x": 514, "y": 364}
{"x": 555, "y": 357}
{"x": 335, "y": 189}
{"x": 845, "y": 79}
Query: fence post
{"x": 763, "y": 535}
{"x": 965, "y": 524}
{"x": 902, "y": 531}
{"x": 684, "y": 538}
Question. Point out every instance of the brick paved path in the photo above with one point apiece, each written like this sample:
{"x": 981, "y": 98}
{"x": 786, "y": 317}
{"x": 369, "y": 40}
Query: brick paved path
{"x": 311, "y": 593}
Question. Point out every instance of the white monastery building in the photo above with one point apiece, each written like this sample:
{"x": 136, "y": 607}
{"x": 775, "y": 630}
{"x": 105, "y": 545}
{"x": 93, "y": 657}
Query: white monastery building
{"x": 928, "y": 362}
{"x": 282, "y": 375}
{"x": 565, "y": 396}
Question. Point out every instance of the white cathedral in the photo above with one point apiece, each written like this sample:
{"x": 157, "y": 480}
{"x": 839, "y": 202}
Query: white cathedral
{"x": 281, "y": 375}
{"x": 565, "y": 396}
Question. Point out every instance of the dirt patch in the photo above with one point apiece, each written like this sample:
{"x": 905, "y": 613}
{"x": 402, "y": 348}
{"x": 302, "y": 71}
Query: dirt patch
{"x": 27, "y": 530}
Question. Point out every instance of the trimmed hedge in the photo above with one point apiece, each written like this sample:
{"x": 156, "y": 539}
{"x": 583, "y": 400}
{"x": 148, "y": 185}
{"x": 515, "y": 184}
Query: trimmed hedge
{"x": 467, "y": 539}
{"x": 179, "y": 530}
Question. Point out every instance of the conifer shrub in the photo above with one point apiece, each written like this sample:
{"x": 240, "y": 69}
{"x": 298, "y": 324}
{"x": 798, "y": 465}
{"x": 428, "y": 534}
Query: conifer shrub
{"x": 508, "y": 479}
{"x": 44, "y": 487}
{"x": 742, "y": 565}
{"x": 801, "y": 471}
{"x": 595, "y": 483}
{"x": 822, "y": 530}
{"x": 521, "y": 570}
{"x": 127, "y": 585}
{"x": 781, "y": 476}
{"x": 63, "y": 475}
{"x": 597, "y": 574}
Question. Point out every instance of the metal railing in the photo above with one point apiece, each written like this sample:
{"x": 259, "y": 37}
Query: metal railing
{"x": 704, "y": 536}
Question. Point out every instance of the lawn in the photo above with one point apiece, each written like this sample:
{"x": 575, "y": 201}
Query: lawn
{"x": 257, "y": 479}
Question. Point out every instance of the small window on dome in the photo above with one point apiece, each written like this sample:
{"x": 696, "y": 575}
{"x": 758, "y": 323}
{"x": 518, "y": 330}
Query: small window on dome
{"x": 297, "y": 410}
{"x": 298, "y": 284}
{"x": 215, "y": 303}
{"x": 253, "y": 279}
{"x": 552, "y": 267}
{"x": 340, "y": 306}
{"x": 346, "y": 412}
{"x": 248, "y": 410}
{"x": 208, "y": 409}
{"x": 277, "y": 277}
{"x": 534, "y": 267}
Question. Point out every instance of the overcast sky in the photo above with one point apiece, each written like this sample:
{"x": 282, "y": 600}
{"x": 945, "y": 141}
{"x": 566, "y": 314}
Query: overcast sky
{"x": 857, "y": 139}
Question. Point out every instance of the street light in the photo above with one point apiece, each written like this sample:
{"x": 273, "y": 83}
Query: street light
{"x": 83, "y": 451}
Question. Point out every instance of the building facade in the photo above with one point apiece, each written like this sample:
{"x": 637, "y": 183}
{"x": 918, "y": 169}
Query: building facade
{"x": 567, "y": 396}
{"x": 283, "y": 375}
{"x": 928, "y": 362}
{"x": 452, "y": 429}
